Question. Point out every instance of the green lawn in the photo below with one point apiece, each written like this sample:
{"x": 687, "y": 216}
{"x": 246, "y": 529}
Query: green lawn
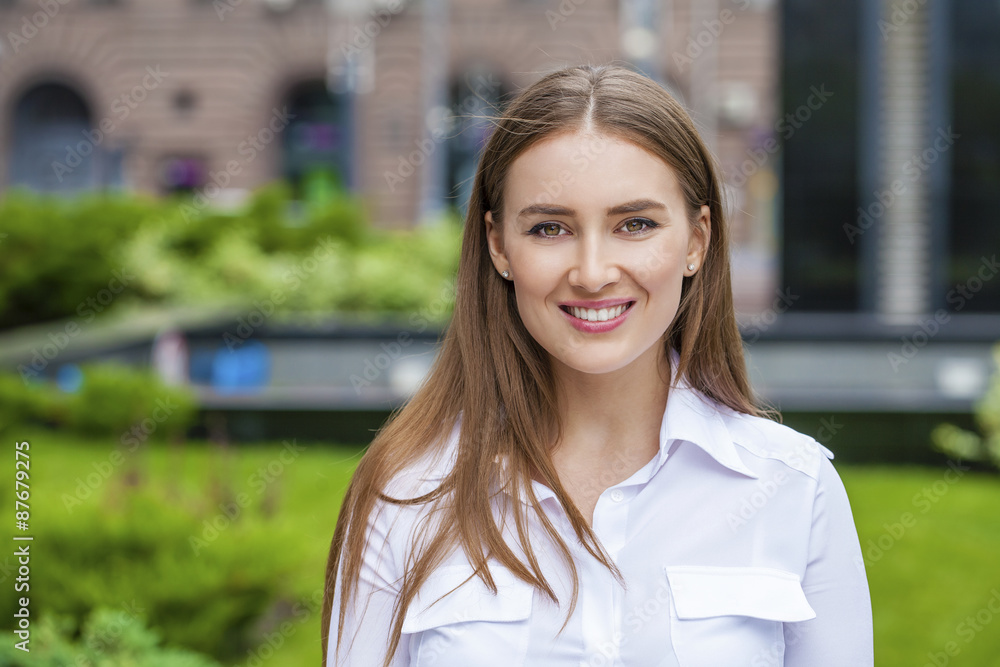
{"x": 932, "y": 546}
{"x": 943, "y": 567}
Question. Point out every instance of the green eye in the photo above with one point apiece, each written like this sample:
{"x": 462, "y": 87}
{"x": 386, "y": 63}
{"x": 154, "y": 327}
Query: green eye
{"x": 551, "y": 227}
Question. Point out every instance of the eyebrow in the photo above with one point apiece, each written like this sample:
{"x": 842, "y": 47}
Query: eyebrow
{"x": 628, "y": 207}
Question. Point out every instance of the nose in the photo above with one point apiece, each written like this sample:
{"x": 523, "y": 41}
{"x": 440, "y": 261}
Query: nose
{"x": 594, "y": 266}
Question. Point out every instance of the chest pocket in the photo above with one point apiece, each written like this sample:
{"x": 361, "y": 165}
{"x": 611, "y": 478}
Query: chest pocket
{"x": 733, "y": 615}
{"x": 469, "y": 625}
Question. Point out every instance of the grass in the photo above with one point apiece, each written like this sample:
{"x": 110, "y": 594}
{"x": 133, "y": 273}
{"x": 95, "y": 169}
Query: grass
{"x": 930, "y": 538}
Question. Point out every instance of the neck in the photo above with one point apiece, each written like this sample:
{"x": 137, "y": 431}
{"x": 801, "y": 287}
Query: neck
{"x": 602, "y": 414}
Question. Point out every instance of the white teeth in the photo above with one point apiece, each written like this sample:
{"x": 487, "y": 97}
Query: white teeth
{"x": 602, "y": 315}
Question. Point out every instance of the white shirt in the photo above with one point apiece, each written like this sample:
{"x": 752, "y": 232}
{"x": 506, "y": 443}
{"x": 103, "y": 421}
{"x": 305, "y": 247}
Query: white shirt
{"x": 736, "y": 543}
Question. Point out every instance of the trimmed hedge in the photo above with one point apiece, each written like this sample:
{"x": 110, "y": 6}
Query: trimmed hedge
{"x": 99, "y": 253}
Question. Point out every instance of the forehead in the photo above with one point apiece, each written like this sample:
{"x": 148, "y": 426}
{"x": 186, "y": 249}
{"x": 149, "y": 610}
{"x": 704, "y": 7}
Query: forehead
{"x": 586, "y": 169}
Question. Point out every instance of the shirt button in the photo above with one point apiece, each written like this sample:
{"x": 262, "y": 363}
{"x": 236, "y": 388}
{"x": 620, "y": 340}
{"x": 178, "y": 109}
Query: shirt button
{"x": 617, "y": 495}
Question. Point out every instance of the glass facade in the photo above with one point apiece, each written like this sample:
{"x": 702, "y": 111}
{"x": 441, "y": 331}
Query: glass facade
{"x": 830, "y": 164}
{"x": 820, "y": 153}
{"x": 973, "y": 209}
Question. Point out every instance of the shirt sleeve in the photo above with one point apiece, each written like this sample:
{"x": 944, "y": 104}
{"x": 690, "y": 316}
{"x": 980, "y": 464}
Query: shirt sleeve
{"x": 368, "y": 621}
{"x": 836, "y": 586}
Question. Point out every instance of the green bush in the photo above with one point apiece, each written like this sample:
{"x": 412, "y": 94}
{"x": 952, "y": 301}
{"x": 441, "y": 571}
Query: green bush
{"x": 204, "y": 571}
{"x": 326, "y": 260}
{"x": 108, "y": 638}
{"x": 117, "y": 401}
{"x": 57, "y": 253}
{"x": 966, "y": 445}
{"x": 29, "y": 403}
{"x": 80, "y": 258}
{"x": 218, "y": 549}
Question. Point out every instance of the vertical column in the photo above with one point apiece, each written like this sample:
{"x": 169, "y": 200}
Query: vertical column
{"x": 350, "y": 71}
{"x": 903, "y": 257}
{"x": 704, "y": 73}
{"x": 436, "y": 33}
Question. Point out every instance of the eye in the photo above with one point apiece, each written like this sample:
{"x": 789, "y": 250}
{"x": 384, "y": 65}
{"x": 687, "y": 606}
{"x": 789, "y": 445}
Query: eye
{"x": 546, "y": 229}
{"x": 635, "y": 225}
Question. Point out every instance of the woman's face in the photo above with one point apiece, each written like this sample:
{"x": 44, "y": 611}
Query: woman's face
{"x": 597, "y": 240}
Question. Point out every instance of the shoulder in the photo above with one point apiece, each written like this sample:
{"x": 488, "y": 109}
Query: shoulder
{"x": 425, "y": 473}
{"x": 759, "y": 439}
{"x": 400, "y": 529}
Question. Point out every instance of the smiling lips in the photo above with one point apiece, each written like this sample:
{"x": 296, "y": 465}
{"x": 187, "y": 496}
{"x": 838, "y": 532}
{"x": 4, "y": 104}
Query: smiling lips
{"x": 597, "y": 320}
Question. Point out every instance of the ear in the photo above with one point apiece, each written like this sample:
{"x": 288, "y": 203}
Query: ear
{"x": 700, "y": 237}
{"x": 494, "y": 239}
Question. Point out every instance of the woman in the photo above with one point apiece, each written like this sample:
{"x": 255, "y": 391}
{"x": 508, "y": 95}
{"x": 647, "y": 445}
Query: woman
{"x": 584, "y": 478}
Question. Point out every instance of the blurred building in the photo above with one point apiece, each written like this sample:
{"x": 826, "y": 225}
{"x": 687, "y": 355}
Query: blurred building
{"x": 859, "y": 140}
{"x": 220, "y": 96}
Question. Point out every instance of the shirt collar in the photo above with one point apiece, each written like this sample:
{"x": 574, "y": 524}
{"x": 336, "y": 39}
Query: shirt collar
{"x": 692, "y": 417}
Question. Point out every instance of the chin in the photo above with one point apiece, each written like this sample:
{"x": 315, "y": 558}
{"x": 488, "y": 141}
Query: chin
{"x": 594, "y": 364}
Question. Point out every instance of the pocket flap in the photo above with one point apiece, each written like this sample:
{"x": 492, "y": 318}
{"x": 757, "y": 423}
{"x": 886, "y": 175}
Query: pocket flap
{"x": 702, "y": 591}
{"x": 470, "y": 601}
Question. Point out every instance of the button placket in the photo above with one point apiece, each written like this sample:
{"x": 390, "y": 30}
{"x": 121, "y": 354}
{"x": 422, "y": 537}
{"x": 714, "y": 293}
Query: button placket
{"x": 598, "y": 614}
{"x": 604, "y": 635}
{"x": 611, "y": 520}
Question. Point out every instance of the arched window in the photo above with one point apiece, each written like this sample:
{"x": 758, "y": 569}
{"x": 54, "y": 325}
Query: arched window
{"x": 55, "y": 145}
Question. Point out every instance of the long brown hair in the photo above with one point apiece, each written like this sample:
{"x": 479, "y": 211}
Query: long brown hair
{"x": 491, "y": 372}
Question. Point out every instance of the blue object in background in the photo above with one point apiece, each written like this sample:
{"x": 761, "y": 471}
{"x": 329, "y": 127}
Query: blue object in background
{"x": 243, "y": 370}
{"x": 69, "y": 378}
{"x": 200, "y": 365}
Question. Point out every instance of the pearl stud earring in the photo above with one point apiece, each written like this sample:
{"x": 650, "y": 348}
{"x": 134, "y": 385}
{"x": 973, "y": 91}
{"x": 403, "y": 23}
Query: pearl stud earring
{"x": 505, "y": 274}
{"x": 690, "y": 267}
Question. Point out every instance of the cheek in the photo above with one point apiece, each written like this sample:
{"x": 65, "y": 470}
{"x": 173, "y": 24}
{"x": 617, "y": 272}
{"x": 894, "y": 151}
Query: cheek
{"x": 534, "y": 285}
{"x": 662, "y": 281}
{"x": 656, "y": 268}
{"x": 530, "y": 295}
{"x": 536, "y": 275}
